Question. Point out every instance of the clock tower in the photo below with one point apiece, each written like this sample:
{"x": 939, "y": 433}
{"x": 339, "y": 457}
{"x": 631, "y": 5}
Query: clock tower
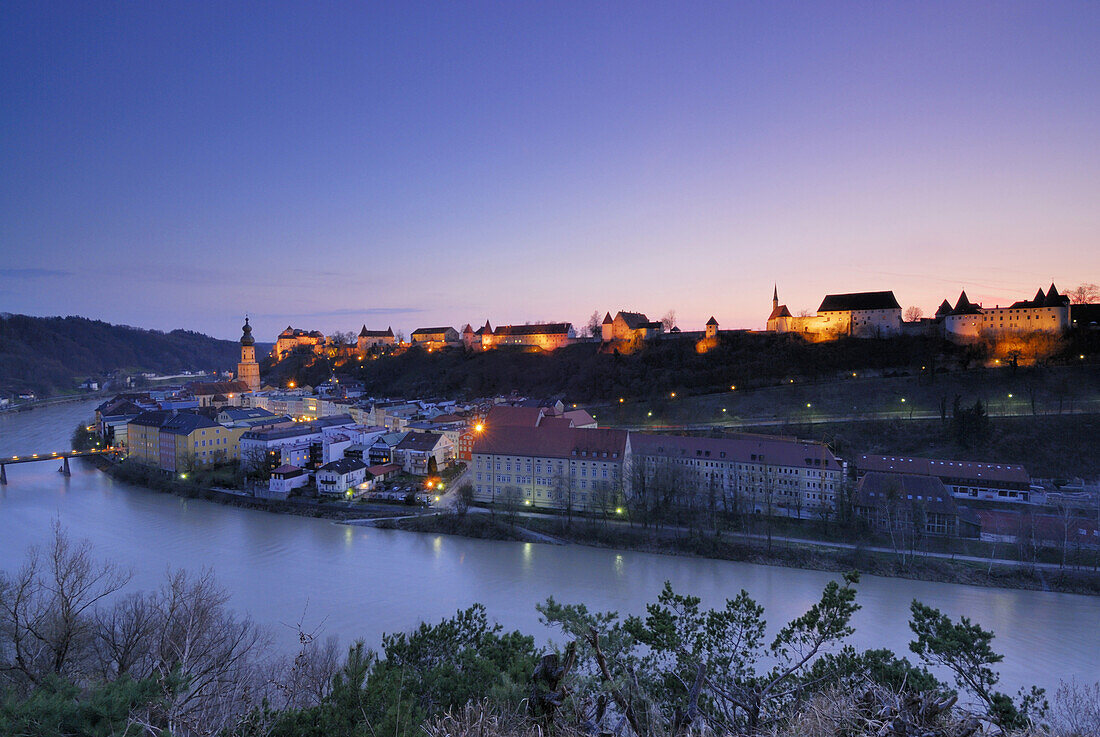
{"x": 248, "y": 370}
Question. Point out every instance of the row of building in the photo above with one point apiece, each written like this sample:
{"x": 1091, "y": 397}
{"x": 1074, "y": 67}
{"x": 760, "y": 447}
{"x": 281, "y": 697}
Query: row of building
{"x": 878, "y": 315}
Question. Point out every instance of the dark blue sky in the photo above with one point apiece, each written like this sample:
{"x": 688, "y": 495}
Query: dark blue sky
{"x": 175, "y": 165}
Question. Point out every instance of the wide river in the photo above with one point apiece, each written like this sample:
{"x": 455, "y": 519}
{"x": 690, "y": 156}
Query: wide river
{"x": 359, "y": 582}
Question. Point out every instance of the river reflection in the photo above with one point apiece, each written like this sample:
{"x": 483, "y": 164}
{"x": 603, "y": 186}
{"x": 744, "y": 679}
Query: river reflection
{"x": 361, "y": 582}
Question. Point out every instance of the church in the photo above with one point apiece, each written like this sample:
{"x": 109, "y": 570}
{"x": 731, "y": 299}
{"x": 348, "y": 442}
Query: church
{"x": 248, "y": 370}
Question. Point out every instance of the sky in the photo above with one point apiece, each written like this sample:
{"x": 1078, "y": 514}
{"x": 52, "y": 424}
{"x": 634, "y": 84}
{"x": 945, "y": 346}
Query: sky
{"x": 326, "y": 165}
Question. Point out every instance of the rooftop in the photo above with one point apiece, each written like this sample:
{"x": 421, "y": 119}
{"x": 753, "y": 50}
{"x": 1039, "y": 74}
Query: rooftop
{"x": 859, "y": 301}
{"x": 1007, "y": 472}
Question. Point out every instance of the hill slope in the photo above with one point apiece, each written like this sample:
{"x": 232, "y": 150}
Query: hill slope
{"x": 49, "y": 355}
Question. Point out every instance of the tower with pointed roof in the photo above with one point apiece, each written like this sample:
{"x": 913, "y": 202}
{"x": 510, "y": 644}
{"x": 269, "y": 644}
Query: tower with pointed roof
{"x": 248, "y": 370}
{"x": 712, "y": 327}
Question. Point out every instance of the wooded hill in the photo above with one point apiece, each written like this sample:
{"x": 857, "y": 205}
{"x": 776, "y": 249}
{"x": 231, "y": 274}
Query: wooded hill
{"x": 50, "y": 355}
{"x": 585, "y": 374}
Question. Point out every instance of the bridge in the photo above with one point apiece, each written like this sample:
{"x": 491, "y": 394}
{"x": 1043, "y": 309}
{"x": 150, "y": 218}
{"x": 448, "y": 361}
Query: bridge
{"x": 62, "y": 456}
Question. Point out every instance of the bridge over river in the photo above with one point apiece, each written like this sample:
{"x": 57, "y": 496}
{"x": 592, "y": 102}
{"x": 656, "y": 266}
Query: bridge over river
{"x": 62, "y": 456}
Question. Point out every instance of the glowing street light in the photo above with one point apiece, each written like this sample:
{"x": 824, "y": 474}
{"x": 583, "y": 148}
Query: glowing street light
{"x": 673, "y": 395}
{"x": 479, "y": 427}
{"x": 648, "y": 414}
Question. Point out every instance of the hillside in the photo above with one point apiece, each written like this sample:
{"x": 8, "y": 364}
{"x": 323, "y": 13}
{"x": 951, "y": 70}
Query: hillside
{"x": 583, "y": 374}
{"x": 51, "y": 355}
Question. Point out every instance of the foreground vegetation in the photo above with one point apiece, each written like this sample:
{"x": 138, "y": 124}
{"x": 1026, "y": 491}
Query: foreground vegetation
{"x": 82, "y": 655}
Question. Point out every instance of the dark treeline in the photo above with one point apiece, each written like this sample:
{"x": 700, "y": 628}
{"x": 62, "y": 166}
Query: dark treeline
{"x": 53, "y": 354}
{"x": 80, "y": 654}
{"x": 584, "y": 373}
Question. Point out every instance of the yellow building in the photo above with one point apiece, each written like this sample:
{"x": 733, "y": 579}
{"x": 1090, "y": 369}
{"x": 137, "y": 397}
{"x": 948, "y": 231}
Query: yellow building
{"x": 182, "y": 441}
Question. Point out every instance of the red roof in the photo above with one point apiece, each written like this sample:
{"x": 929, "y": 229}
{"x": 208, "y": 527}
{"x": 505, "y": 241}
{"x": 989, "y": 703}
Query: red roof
{"x": 553, "y": 442}
{"x": 505, "y": 416}
{"x": 383, "y": 469}
{"x": 744, "y": 448}
{"x": 554, "y": 328}
{"x": 1009, "y": 472}
{"x": 1045, "y": 526}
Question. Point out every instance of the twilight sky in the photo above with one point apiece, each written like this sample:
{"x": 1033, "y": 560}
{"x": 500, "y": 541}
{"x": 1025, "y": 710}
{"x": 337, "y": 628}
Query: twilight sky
{"x": 324, "y": 165}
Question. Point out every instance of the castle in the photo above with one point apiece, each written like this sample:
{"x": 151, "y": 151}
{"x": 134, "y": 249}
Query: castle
{"x": 1048, "y": 312}
{"x": 857, "y": 314}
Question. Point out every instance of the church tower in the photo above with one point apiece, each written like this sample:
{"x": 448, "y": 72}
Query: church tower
{"x": 775, "y": 298}
{"x": 248, "y": 370}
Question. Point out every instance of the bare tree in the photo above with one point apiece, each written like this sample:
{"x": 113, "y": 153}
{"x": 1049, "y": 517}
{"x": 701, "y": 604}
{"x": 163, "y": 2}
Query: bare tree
{"x": 913, "y": 313}
{"x": 595, "y": 325}
{"x": 1084, "y": 294}
{"x": 47, "y": 610}
{"x": 668, "y": 322}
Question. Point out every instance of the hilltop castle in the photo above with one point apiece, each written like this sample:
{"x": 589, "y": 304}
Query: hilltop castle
{"x": 858, "y": 314}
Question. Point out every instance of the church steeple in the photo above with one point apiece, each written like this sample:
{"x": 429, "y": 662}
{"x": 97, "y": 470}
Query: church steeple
{"x": 775, "y": 296}
{"x": 248, "y": 370}
{"x": 246, "y": 330}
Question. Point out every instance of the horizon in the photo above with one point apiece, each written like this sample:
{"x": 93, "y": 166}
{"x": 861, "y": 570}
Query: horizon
{"x": 327, "y": 167}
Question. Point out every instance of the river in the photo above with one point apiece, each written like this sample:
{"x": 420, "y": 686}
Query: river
{"x": 357, "y": 582}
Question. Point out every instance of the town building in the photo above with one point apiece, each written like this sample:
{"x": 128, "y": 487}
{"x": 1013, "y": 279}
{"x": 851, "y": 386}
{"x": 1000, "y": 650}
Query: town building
{"x": 912, "y": 506}
{"x": 856, "y": 314}
{"x": 189, "y": 440}
{"x": 218, "y": 393}
{"x": 341, "y": 477}
{"x": 143, "y": 437}
{"x": 435, "y": 338}
{"x": 180, "y": 441}
{"x": 629, "y": 327}
{"x": 370, "y": 338}
{"x": 557, "y": 467}
{"x": 1034, "y": 530}
{"x": 737, "y": 475}
{"x": 248, "y": 417}
{"x": 299, "y": 444}
{"x": 248, "y": 371}
{"x": 284, "y": 480}
{"x": 422, "y": 453}
{"x": 545, "y": 336}
{"x": 382, "y": 451}
{"x": 999, "y": 482}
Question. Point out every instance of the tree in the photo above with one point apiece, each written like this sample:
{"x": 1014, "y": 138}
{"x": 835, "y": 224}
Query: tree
{"x": 668, "y": 322}
{"x": 464, "y": 498}
{"x": 47, "y": 608}
{"x": 1084, "y": 294}
{"x": 594, "y": 327}
{"x": 913, "y": 313}
{"x": 964, "y": 649}
{"x": 702, "y": 665}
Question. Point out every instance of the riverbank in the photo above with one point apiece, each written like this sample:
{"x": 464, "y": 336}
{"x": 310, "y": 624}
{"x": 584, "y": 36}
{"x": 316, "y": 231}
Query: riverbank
{"x": 319, "y": 508}
{"x": 782, "y": 553}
